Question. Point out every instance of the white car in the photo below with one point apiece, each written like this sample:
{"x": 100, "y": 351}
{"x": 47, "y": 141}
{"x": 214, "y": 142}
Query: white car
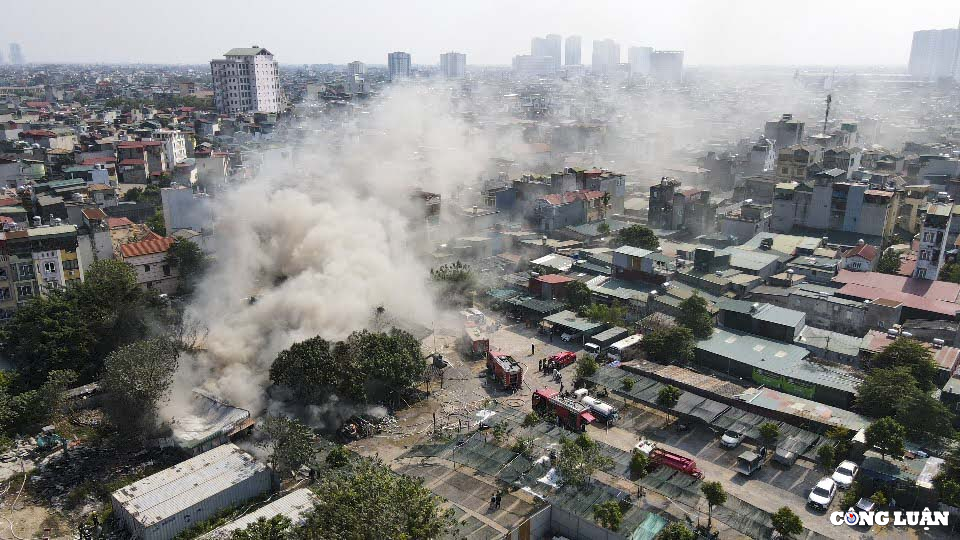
{"x": 845, "y": 474}
{"x": 566, "y": 337}
{"x": 731, "y": 438}
{"x": 822, "y": 494}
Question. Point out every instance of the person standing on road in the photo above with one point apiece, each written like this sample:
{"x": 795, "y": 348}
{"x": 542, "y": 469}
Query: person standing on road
{"x": 533, "y": 348}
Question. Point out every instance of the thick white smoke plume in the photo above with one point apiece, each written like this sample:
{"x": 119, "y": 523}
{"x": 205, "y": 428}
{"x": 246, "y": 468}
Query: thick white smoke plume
{"x": 325, "y": 233}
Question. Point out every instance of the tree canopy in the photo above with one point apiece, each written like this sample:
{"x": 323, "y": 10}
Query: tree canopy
{"x": 136, "y": 380}
{"x": 579, "y": 458}
{"x": 786, "y": 522}
{"x": 368, "y": 501}
{"x": 189, "y": 261}
{"x": 911, "y": 354}
{"x": 578, "y": 295}
{"x": 638, "y": 236}
{"x": 695, "y": 316}
{"x": 608, "y": 514}
{"x": 291, "y": 444}
{"x": 715, "y": 495}
{"x": 668, "y": 396}
{"x": 276, "y": 528}
{"x": 886, "y": 435}
{"x": 670, "y": 345}
{"x": 889, "y": 262}
{"x": 676, "y": 530}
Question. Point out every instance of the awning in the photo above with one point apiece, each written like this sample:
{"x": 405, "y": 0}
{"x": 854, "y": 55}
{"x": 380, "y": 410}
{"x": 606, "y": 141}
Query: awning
{"x": 589, "y": 417}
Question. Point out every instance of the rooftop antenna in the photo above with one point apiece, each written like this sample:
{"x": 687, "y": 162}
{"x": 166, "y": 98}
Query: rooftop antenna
{"x": 826, "y": 114}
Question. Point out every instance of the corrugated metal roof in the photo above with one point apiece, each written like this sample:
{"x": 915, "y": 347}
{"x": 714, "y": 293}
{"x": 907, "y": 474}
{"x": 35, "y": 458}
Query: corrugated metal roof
{"x": 633, "y": 251}
{"x": 173, "y": 490}
{"x": 293, "y": 505}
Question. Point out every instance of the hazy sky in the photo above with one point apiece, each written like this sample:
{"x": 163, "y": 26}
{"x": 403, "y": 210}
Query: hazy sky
{"x": 821, "y": 32}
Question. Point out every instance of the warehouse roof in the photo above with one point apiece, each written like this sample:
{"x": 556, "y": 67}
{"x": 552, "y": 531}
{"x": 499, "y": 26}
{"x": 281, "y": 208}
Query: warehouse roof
{"x": 775, "y": 357}
{"x": 293, "y": 505}
{"x": 571, "y": 320}
{"x": 168, "y": 492}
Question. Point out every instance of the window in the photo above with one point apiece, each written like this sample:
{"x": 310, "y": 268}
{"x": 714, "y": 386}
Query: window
{"x": 49, "y": 267}
{"x": 24, "y": 290}
{"x": 146, "y": 268}
{"x": 5, "y": 293}
{"x": 166, "y": 269}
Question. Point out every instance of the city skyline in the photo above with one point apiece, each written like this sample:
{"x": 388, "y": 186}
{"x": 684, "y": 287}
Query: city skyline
{"x": 698, "y": 27}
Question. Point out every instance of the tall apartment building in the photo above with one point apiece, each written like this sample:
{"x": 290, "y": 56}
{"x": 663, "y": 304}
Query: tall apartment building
{"x": 674, "y": 208}
{"x": 606, "y": 56}
{"x": 640, "y": 59}
{"x": 36, "y": 261}
{"x": 528, "y": 65}
{"x": 246, "y": 80}
{"x": 933, "y": 241}
{"x": 453, "y": 65}
{"x": 16, "y": 54}
{"x": 398, "y": 65}
{"x": 934, "y": 54}
{"x": 547, "y": 46}
{"x": 356, "y": 68}
{"x": 784, "y": 132}
{"x": 667, "y": 66}
{"x": 572, "y": 51}
{"x": 832, "y": 206}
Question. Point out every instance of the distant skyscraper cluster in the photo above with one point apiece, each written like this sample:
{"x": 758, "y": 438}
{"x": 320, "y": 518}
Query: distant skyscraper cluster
{"x": 934, "y": 54}
{"x": 453, "y": 65}
{"x": 398, "y": 65}
{"x": 545, "y": 54}
{"x": 16, "y": 54}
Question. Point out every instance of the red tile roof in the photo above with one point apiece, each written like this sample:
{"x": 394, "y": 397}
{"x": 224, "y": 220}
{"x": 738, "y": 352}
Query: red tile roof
{"x": 117, "y": 222}
{"x": 570, "y": 196}
{"x": 132, "y": 161}
{"x": 866, "y": 251}
{"x": 154, "y": 243}
{"x": 98, "y": 159}
{"x": 9, "y": 201}
{"x": 553, "y": 278}
{"x": 94, "y": 214}
{"x": 38, "y": 134}
{"x": 931, "y": 290}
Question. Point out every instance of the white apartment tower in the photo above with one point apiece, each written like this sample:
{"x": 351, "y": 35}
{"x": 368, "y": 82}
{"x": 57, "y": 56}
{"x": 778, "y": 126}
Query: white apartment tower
{"x": 16, "y": 54}
{"x": 933, "y": 241}
{"x": 356, "y": 68}
{"x": 639, "y": 59}
{"x": 246, "y": 80}
{"x": 398, "y": 64}
{"x": 572, "y": 51}
{"x": 606, "y": 56}
{"x": 934, "y": 54}
{"x": 453, "y": 65}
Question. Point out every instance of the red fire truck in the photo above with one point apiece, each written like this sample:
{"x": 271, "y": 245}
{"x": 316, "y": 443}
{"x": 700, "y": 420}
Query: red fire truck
{"x": 561, "y": 360}
{"x": 570, "y": 412}
{"x": 505, "y": 370}
{"x": 676, "y": 461}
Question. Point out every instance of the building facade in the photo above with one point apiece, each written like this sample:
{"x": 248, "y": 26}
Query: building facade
{"x": 246, "y": 80}
{"x": 398, "y": 65}
{"x": 933, "y": 54}
{"x": 572, "y": 51}
{"x": 453, "y": 65}
{"x": 933, "y": 241}
{"x": 667, "y": 66}
{"x": 640, "y": 59}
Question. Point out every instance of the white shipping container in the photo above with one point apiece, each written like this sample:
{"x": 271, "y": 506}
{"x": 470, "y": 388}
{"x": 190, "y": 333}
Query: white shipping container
{"x": 164, "y": 504}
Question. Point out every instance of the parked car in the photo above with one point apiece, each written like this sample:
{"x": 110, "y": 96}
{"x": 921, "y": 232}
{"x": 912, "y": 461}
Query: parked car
{"x": 845, "y": 474}
{"x": 822, "y": 494}
{"x": 731, "y": 438}
{"x": 566, "y": 337}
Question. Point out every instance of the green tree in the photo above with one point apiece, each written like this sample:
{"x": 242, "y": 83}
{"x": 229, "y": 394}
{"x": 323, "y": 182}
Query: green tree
{"x": 911, "y": 354}
{"x": 338, "y": 457}
{"x": 136, "y": 380}
{"x": 638, "y": 236}
{"x": 639, "y": 464}
{"x": 826, "y": 456}
{"x": 291, "y": 444}
{"x": 368, "y": 501}
{"x": 522, "y": 446}
{"x": 276, "y": 528}
{"x": 950, "y": 272}
{"x": 695, "y": 316}
{"x": 578, "y": 458}
{"x": 924, "y": 417}
{"x": 668, "y": 396}
{"x": 614, "y": 314}
{"x": 313, "y": 369}
{"x": 391, "y": 362}
{"x": 578, "y": 295}
{"x": 586, "y": 367}
{"x": 628, "y": 383}
{"x": 715, "y": 495}
{"x": 886, "y": 435}
{"x": 603, "y": 229}
{"x": 133, "y": 194}
{"x": 457, "y": 282}
{"x": 156, "y": 223}
{"x": 531, "y": 419}
{"x": 884, "y": 390}
{"x": 188, "y": 259}
{"x": 670, "y": 345}
{"x": 889, "y": 262}
{"x": 54, "y": 390}
{"x": 608, "y": 514}
{"x": 769, "y": 432}
{"x": 676, "y": 531}
{"x": 879, "y": 498}
{"x": 786, "y": 522}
